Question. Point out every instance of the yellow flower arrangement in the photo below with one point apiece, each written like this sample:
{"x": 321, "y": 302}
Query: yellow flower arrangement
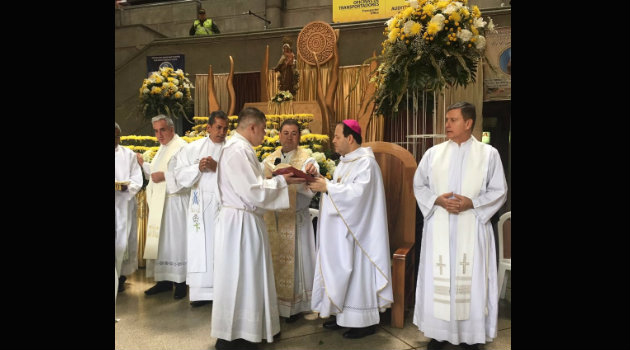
{"x": 166, "y": 91}
{"x": 429, "y": 45}
{"x": 133, "y": 140}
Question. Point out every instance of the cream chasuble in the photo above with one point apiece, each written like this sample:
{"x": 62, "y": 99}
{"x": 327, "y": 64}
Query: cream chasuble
{"x": 156, "y": 192}
{"x": 281, "y": 229}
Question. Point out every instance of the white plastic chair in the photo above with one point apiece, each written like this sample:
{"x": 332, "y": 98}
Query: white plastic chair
{"x": 314, "y": 213}
{"x": 504, "y": 263}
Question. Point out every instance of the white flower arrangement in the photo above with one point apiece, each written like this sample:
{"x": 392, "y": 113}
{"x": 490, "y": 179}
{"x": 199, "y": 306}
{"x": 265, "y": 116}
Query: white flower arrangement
{"x": 282, "y": 96}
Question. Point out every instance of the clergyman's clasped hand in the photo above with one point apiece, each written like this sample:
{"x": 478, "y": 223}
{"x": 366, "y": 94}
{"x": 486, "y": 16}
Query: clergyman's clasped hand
{"x": 454, "y": 203}
{"x": 207, "y": 164}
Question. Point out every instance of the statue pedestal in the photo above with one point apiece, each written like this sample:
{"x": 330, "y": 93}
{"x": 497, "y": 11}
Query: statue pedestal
{"x": 299, "y": 107}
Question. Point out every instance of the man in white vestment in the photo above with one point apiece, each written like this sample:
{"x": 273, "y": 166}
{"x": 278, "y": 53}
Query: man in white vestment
{"x": 353, "y": 268}
{"x": 459, "y": 185}
{"x": 291, "y": 235}
{"x": 165, "y": 248}
{"x": 197, "y": 169}
{"x": 245, "y": 306}
{"x": 127, "y": 172}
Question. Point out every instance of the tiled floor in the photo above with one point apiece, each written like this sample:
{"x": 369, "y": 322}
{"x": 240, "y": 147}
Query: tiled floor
{"x": 161, "y": 322}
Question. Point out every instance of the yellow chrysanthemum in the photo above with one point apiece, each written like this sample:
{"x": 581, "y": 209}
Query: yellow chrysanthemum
{"x": 465, "y": 12}
{"x": 441, "y": 4}
{"x": 476, "y": 12}
{"x": 428, "y": 9}
{"x": 393, "y": 35}
{"x": 455, "y": 16}
{"x": 407, "y": 12}
{"x": 432, "y": 28}
{"x": 416, "y": 28}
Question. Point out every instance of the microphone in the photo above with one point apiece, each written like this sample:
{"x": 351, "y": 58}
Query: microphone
{"x": 277, "y": 161}
{"x": 247, "y": 13}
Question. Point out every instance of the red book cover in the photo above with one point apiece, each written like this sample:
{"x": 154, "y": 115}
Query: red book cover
{"x": 295, "y": 172}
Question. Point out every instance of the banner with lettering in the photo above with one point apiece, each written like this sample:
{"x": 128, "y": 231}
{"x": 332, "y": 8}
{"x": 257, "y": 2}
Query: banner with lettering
{"x": 497, "y": 82}
{"x": 365, "y": 10}
{"x": 154, "y": 63}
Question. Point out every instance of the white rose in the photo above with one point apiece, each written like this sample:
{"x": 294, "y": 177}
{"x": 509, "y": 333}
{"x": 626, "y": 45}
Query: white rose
{"x": 480, "y": 42}
{"x": 465, "y": 35}
{"x": 146, "y": 156}
{"x": 413, "y": 3}
{"x": 439, "y": 20}
{"x": 479, "y": 22}
{"x": 491, "y": 25}
{"x": 452, "y": 7}
{"x": 319, "y": 157}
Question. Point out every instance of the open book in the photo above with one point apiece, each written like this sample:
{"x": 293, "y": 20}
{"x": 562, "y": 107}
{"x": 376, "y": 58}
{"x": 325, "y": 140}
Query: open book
{"x": 295, "y": 172}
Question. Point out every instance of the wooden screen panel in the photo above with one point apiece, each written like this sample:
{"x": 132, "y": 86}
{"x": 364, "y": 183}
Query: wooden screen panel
{"x": 392, "y": 169}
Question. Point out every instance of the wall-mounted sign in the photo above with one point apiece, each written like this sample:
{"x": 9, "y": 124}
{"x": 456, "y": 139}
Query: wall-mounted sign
{"x": 497, "y": 82}
{"x": 365, "y": 10}
{"x": 154, "y": 63}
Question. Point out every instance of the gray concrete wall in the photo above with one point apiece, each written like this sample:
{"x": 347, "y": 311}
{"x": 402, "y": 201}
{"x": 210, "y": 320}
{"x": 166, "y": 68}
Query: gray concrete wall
{"x": 356, "y": 42}
{"x": 138, "y": 32}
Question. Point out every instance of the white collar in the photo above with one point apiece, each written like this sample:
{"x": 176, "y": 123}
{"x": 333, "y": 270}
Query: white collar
{"x": 288, "y": 154}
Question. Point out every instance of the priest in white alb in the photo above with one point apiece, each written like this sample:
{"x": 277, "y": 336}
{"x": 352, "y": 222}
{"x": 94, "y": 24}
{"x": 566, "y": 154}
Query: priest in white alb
{"x": 196, "y": 168}
{"x": 165, "y": 247}
{"x": 128, "y": 174}
{"x": 353, "y": 269}
{"x": 245, "y": 306}
{"x": 291, "y": 235}
{"x": 459, "y": 185}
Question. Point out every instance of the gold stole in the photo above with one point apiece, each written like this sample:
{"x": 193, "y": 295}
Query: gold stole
{"x": 281, "y": 227}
